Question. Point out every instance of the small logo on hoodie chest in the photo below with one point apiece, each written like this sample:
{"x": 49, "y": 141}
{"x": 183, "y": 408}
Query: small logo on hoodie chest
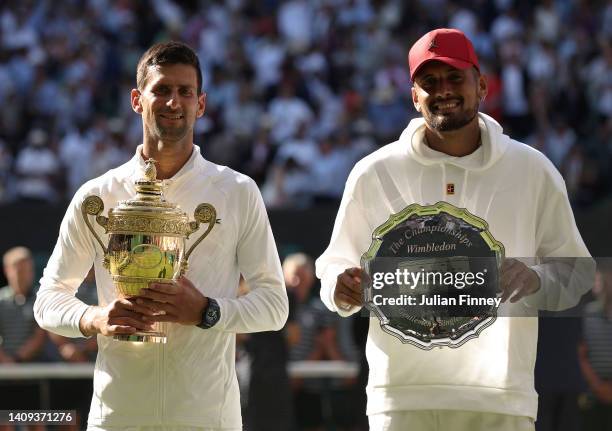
{"x": 450, "y": 188}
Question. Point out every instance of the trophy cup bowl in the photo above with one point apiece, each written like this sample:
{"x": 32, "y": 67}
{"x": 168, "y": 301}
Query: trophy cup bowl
{"x": 147, "y": 237}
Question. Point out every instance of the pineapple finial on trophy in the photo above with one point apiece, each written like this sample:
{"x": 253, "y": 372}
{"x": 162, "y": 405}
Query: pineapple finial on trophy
{"x": 148, "y": 187}
{"x": 150, "y": 171}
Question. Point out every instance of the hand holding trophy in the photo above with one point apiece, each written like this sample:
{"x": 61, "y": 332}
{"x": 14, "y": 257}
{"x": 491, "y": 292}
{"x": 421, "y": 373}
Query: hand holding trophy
{"x": 147, "y": 237}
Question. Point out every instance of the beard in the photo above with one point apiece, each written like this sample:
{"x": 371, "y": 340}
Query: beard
{"x": 452, "y": 121}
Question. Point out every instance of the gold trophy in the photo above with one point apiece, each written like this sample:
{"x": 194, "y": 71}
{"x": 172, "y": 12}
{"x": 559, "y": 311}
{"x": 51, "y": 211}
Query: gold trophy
{"x": 147, "y": 236}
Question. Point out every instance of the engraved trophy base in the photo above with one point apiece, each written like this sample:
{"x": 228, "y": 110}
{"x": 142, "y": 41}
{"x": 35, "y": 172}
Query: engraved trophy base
{"x": 142, "y": 337}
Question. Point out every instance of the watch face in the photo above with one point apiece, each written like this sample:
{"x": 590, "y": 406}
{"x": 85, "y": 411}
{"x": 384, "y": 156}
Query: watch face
{"x": 211, "y": 315}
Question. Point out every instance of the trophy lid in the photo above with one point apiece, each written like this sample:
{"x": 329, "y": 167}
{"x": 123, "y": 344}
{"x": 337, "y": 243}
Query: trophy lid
{"x": 148, "y": 212}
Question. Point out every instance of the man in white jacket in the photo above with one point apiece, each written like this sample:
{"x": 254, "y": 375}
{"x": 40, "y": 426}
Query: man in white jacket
{"x": 189, "y": 382}
{"x": 456, "y": 155}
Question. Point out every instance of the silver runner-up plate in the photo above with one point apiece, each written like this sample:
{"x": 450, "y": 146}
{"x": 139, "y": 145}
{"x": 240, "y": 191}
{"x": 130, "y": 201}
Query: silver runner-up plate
{"x": 432, "y": 275}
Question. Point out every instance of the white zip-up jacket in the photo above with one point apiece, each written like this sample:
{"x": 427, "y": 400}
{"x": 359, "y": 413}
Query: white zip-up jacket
{"x": 191, "y": 380}
{"x": 518, "y": 192}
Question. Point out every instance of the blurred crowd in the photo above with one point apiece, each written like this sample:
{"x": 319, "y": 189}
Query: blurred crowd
{"x": 298, "y": 90}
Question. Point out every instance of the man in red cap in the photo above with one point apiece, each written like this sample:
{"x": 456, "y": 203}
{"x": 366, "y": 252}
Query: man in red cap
{"x": 457, "y": 163}
{"x": 447, "y": 91}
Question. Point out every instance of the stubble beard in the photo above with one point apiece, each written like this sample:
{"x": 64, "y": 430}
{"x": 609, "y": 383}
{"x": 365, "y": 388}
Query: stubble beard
{"x": 170, "y": 134}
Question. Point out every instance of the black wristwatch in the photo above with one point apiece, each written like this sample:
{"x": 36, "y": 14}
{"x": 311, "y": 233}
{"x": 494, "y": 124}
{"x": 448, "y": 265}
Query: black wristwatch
{"x": 210, "y": 315}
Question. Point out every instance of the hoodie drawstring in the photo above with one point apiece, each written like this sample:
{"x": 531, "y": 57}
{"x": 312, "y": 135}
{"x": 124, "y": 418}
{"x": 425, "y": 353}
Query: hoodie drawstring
{"x": 463, "y": 189}
{"x": 444, "y": 183}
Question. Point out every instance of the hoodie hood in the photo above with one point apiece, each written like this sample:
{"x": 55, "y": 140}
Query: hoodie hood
{"x": 493, "y": 145}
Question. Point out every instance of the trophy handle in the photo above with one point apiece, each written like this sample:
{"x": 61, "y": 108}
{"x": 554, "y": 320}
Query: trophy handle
{"x": 93, "y": 205}
{"x": 204, "y": 213}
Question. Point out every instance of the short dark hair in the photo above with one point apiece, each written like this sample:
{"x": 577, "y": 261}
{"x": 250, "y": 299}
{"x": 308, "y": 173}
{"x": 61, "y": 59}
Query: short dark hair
{"x": 167, "y": 53}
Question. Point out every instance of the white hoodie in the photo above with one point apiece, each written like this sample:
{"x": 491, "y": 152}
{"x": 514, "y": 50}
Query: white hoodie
{"x": 518, "y": 192}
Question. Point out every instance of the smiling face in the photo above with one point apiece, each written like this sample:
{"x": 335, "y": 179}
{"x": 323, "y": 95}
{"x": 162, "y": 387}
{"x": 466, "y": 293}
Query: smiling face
{"x": 169, "y": 103}
{"x": 447, "y": 97}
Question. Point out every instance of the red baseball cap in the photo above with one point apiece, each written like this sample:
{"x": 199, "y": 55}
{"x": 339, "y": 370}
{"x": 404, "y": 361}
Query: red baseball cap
{"x": 447, "y": 45}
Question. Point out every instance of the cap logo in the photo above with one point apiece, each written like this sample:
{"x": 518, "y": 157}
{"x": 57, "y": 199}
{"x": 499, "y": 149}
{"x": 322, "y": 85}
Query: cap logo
{"x": 432, "y": 44}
